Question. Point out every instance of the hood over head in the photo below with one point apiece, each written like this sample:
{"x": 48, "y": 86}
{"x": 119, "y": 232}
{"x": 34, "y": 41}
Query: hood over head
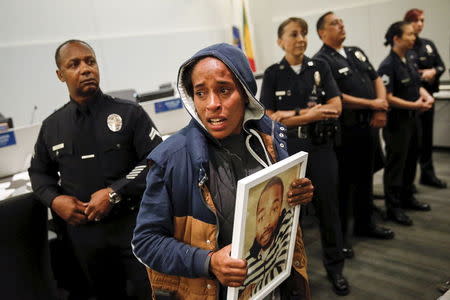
{"x": 238, "y": 64}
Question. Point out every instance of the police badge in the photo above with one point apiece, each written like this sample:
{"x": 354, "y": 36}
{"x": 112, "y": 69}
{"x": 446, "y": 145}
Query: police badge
{"x": 114, "y": 122}
{"x": 429, "y": 49}
{"x": 360, "y": 56}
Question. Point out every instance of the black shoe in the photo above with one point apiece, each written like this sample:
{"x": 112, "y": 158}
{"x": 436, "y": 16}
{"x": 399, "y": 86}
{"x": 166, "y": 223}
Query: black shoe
{"x": 377, "y": 232}
{"x": 414, "y": 204}
{"x": 381, "y": 213}
{"x": 340, "y": 284}
{"x": 399, "y": 216}
{"x": 348, "y": 252}
{"x": 433, "y": 181}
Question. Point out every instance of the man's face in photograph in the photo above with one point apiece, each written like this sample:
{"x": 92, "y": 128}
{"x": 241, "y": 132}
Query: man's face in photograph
{"x": 268, "y": 213}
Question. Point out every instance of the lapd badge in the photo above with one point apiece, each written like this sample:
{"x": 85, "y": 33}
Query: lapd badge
{"x": 429, "y": 49}
{"x": 114, "y": 122}
{"x": 317, "y": 78}
{"x": 360, "y": 56}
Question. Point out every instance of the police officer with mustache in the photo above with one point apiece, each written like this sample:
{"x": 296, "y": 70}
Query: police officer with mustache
{"x": 89, "y": 167}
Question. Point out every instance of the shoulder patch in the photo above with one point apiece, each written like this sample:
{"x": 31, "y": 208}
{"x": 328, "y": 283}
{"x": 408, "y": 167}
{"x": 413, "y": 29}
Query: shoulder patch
{"x": 385, "y": 79}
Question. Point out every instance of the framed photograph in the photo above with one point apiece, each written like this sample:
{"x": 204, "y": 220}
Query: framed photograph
{"x": 265, "y": 227}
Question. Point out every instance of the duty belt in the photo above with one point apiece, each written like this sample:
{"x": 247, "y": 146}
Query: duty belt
{"x": 318, "y": 132}
{"x": 354, "y": 117}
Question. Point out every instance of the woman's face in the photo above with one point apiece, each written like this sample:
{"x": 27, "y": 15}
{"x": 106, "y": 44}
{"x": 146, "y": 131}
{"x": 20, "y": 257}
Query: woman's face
{"x": 418, "y": 24}
{"x": 293, "y": 40}
{"x": 406, "y": 41}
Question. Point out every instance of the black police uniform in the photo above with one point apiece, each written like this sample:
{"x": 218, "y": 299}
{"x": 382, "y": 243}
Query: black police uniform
{"x": 82, "y": 149}
{"x": 425, "y": 56}
{"x": 356, "y": 153}
{"x": 283, "y": 89}
{"x": 400, "y": 134}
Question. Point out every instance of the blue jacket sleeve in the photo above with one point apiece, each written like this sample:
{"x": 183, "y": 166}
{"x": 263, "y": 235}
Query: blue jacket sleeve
{"x": 153, "y": 240}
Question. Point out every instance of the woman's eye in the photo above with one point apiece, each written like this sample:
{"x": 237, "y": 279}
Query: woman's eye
{"x": 224, "y": 90}
{"x": 199, "y": 93}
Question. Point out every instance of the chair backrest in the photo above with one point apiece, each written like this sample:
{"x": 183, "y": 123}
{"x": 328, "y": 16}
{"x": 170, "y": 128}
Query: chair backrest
{"x": 25, "y": 271}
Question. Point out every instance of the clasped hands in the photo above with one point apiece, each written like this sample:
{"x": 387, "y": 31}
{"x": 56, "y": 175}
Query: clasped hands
{"x": 76, "y": 212}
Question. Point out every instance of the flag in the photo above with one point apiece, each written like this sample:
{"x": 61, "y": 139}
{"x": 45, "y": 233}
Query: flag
{"x": 242, "y": 24}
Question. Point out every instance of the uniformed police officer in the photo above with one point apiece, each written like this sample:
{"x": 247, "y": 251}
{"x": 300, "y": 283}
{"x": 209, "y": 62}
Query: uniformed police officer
{"x": 430, "y": 65}
{"x": 407, "y": 97}
{"x": 364, "y": 111}
{"x": 89, "y": 167}
{"x": 301, "y": 93}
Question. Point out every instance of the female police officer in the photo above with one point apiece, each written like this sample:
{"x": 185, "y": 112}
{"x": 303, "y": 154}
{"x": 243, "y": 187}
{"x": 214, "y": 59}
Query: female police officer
{"x": 407, "y": 97}
{"x": 301, "y": 93}
{"x": 427, "y": 59}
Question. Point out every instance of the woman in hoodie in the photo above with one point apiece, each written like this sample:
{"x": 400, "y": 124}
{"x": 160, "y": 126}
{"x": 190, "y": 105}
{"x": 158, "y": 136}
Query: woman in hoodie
{"x": 301, "y": 93}
{"x": 185, "y": 223}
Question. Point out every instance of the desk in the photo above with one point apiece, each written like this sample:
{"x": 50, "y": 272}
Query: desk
{"x": 19, "y": 186}
{"x": 441, "y": 137}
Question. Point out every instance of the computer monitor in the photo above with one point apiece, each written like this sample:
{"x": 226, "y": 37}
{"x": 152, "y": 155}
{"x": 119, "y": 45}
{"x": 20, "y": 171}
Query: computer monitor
{"x": 154, "y": 95}
{"x": 167, "y": 113}
{"x": 16, "y": 149}
{"x": 127, "y": 94}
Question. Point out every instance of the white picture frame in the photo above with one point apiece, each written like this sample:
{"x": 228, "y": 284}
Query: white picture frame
{"x": 244, "y": 242}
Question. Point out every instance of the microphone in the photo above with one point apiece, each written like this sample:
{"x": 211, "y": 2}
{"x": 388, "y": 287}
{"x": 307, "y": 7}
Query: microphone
{"x": 33, "y": 113}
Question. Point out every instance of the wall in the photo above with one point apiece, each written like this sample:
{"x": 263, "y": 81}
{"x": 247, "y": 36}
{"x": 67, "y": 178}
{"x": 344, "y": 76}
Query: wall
{"x": 141, "y": 43}
{"x": 366, "y": 22}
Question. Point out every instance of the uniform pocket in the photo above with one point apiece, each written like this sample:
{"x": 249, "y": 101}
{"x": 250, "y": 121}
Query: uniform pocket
{"x": 61, "y": 151}
{"x": 118, "y": 158}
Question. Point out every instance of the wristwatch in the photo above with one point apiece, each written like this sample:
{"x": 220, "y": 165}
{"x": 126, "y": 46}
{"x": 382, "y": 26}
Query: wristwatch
{"x": 297, "y": 111}
{"x": 114, "y": 198}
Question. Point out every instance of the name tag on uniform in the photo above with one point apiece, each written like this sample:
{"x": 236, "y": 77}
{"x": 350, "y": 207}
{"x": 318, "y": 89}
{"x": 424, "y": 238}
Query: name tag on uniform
{"x": 280, "y": 93}
{"x": 343, "y": 70}
{"x": 88, "y": 156}
{"x": 422, "y": 58}
{"x": 406, "y": 80}
{"x": 57, "y": 147}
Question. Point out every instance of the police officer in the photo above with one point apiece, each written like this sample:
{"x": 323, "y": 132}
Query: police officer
{"x": 430, "y": 65}
{"x": 407, "y": 97}
{"x": 301, "y": 93}
{"x": 364, "y": 111}
{"x": 89, "y": 167}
